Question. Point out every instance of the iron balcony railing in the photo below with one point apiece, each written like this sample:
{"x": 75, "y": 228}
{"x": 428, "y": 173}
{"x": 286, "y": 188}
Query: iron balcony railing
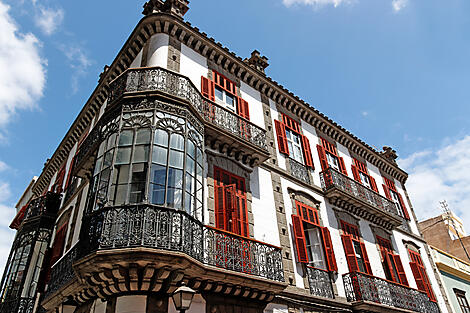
{"x": 332, "y": 178}
{"x": 299, "y": 171}
{"x": 363, "y": 287}
{"x": 44, "y": 205}
{"x": 174, "y": 84}
{"x": 162, "y": 228}
{"x": 319, "y": 282}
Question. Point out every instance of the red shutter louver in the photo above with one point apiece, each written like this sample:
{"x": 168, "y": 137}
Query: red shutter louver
{"x": 58, "y": 246}
{"x": 373, "y": 184}
{"x": 417, "y": 274}
{"x": 403, "y": 206}
{"x": 232, "y": 213}
{"x": 69, "y": 174}
{"x": 355, "y": 173}
{"x": 342, "y": 166}
{"x": 387, "y": 192}
{"x": 322, "y": 157}
{"x": 400, "y": 270}
{"x": 307, "y": 152}
{"x": 427, "y": 283}
{"x": 207, "y": 88}
{"x": 219, "y": 208}
{"x": 242, "y": 108}
{"x": 281, "y": 137}
{"x": 366, "y": 258}
{"x": 350, "y": 254}
{"x": 300, "y": 241}
{"x": 329, "y": 251}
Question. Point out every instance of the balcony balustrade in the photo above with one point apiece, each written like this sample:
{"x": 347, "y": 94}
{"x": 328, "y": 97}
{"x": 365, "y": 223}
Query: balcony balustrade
{"x": 62, "y": 272}
{"x": 319, "y": 282}
{"x": 299, "y": 171}
{"x": 362, "y": 287}
{"x": 347, "y": 193}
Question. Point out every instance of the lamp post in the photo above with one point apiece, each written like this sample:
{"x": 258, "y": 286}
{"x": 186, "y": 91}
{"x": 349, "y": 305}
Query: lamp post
{"x": 183, "y": 297}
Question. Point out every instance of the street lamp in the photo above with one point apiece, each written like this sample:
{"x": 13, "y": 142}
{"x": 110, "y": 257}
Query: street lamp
{"x": 182, "y": 298}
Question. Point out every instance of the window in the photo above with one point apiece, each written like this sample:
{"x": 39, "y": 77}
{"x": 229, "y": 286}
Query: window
{"x": 231, "y": 213}
{"x": 291, "y": 142}
{"x": 392, "y": 194}
{"x": 420, "y": 275}
{"x": 329, "y": 157}
{"x": 59, "y": 181}
{"x": 391, "y": 262}
{"x": 224, "y": 92}
{"x": 355, "y": 250}
{"x": 313, "y": 242}
{"x": 462, "y": 300}
{"x": 361, "y": 175}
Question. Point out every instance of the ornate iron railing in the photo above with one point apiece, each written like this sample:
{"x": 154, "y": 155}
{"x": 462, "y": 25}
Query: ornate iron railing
{"x": 319, "y": 282}
{"x": 47, "y": 204}
{"x": 300, "y": 171}
{"x": 62, "y": 272}
{"x": 362, "y": 287}
{"x": 163, "y": 228}
{"x": 163, "y": 80}
{"x": 331, "y": 178}
{"x": 21, "y": 305}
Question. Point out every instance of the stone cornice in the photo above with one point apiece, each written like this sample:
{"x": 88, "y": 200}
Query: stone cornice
{"x": 216, "y": 52}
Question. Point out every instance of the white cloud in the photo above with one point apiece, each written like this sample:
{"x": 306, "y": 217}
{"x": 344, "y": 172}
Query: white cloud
{"x": 3, "y": 166}
{"x": 48, "y": 19}
{"x": 7, "y": 213}
{"x": 399, "y": 4}
{"x": 79, "y": 62}
{"x": 440, "y": 175}
{"x": 365, "y": 113}
{"x": 23, "y": 73}
{"x": 315, "y": 3}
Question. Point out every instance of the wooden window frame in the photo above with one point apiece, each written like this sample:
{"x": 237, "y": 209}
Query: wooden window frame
{"x": 350, "y": 236}
{"x": 419, "y": 272}
{"x": 327, "y": 147}
{"x": 358, "y": 168}
{"x": 388, "y": 187}
{"x": 462, "y": 300}
{"x": 391, "y": 261}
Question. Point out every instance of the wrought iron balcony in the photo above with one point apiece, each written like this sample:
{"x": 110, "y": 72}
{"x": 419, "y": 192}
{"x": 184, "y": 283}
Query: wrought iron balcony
{"x": 361, "y": 287}
{"x": 156, "y": 227}
{"x": 226, "y": 123}
{"x": 299, "y": 171}
{"x": 347, "y": 193}
{"x": 62, "y": 272}
{"x": 319, "y": 282}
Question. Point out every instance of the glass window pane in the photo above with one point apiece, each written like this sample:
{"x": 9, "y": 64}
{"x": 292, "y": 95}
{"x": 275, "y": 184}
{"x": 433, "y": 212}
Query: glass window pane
{"x": 174, "y": 197}
{"x": 139, "y": 172}
{"x": 229, "y": 99}
{"x": 108, "y": 159}
{"x": 176, "y": 159}
{"x": 141, "y": 154}
{"x": 158, "y": 174}
{"x": 121, "y": 194}
{"x": 137, "y": 193}
{"x": 112, "y": 141}
{"x": 188, "y": 201}
{"x": 122, "y": 174}
{"x": 98, "y": 166}
{"x": 123, "y": 156}
{"x": 175, "y": 178}
{"x": 159, "y": 155}
{"x": 143, "y": 136}
{"x": 191, "y": 149}
{"x": 177, "y": 142}
{"x": 126, "y": 138}
{"x": 199, "y": 156}
{"x": 189, "y": 183}
{"x": 161, "y": 137}
{"x": 190, "y": 165}
{"x": 219, "y": 94}
{"x": 101, "y": 148}
{"x": 157, "y": 194}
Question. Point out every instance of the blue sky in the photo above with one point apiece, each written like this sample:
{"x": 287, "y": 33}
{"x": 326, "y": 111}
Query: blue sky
{"x": 393, "y": 72}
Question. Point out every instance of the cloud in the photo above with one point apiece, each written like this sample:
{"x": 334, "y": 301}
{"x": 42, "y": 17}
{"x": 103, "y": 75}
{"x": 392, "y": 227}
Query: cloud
{"x": 7, "y": 213}
{"x": 399, "y": 4}
{"x": 79, "y": 62}
{"x": 23, "y": 74}
{"x": 439, "y": 175}
{"x": 314, "y": 3}
{"x": 365, "y": 113}
{"x": 48, "y": 19}
{"x": 3, "y": 166}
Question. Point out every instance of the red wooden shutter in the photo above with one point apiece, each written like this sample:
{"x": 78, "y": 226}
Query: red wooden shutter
{"x": 400, "y": 270}
{"x": 307, "y": 152}
{"x": 373, "y": 184}
{"x": 417, "y": 275}
{"x": 207, "y": 88}
{"x": 323, "y": 159}
{"x": 427, "y": 283}
{"x": 281, "y": 137}
{"x": 219, "y": 208}
{"x": 387, "y": 192}
{"x": 403, "y": 206}
{"x": 356, "y": 173}
{"x": 350, "y": 254}
{"x": 366, "y": 258}
{"x": 69, "y": 174}
{"x": 300, "y": 241}
{"x": 242, "y": 108}
{"x": 329, "y": 251}
{"x": 231, "y": 212}
{"x": 342, "y": 166}
{"x": 58, "y": 246}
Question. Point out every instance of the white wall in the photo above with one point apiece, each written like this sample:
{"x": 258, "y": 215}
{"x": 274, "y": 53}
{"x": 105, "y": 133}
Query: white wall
{"x": 158, "y": 50}
{"x": 281, "y": 159}
{"x": 264, "y": 207}
{"x": 254, "y": 102}
{"x": 193, "y": 65}
{"x": 311, "y": 134}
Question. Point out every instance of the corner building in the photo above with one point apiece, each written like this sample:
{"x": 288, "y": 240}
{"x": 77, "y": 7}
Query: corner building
{"x": 188, "y": 164}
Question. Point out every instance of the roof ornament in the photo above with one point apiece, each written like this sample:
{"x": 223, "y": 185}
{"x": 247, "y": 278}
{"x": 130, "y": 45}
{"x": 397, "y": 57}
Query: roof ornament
{"x": 257, "y": 61}
{"x": 175, "y": 7}
{"x": 389, "y": 154}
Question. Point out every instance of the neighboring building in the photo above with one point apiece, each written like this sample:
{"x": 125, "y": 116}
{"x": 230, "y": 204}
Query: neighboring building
{"x": 189, "y": 164}
{"x": 446, "y": 232}
{"x": 455, "y": 276}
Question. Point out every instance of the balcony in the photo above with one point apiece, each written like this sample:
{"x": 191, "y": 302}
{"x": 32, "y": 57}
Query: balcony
{"x": 299, "y": 171}
{"x": 319, "y": 282}
{"x": 224, "y": 128}
{"x": 350, "y": 195}
{"x": 365, "y": 291}
{"x": 147, "y": 236}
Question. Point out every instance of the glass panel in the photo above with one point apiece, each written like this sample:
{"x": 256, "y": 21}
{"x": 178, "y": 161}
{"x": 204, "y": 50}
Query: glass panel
{"x": 141, "y": 154}
{"x": 188, "y": 200}
{"x": 101, "y": 148}
{"x": 161, "y": 137}
{"x": 199, "y": 156}
{"x": 121, "y": 194}
{"x": 175, "y": 178}
{"x": 98, "y": 166}
{"x": 137, "y": 193}
{"x": 157, "y": 194}
{"x": 122, "y": 174}
{"x": 112, "y": 141}
{"x": 190, "y": 165}
{"x": 229, "y": 99}
{"x": 123, "y": 156}
{"x": 191, "y": 149}
{"x": 158, "y": 174}
{"x": 189, "y": 183}
{"x": 174, "y": 197}
{"x": 143, "y": 136}
{"x": 176, "y": 159}
{"x": 219, "y": 94}
{"x": 159, "y": 155}
{"x": 139, "y": 172}
{"x": 126, "y": 138}
{"x": 177, "y": 142}
{"x": 108, "y": 159}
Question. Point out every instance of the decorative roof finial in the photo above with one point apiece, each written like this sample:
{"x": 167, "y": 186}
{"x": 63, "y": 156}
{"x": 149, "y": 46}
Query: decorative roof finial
{"x": 389, "y": 154}
{"x": 257, "y": 61}
{"x": 175, "y": 7}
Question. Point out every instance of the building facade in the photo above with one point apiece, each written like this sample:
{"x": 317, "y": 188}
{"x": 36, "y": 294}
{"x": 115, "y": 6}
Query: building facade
{"x": 189, "y": 165}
